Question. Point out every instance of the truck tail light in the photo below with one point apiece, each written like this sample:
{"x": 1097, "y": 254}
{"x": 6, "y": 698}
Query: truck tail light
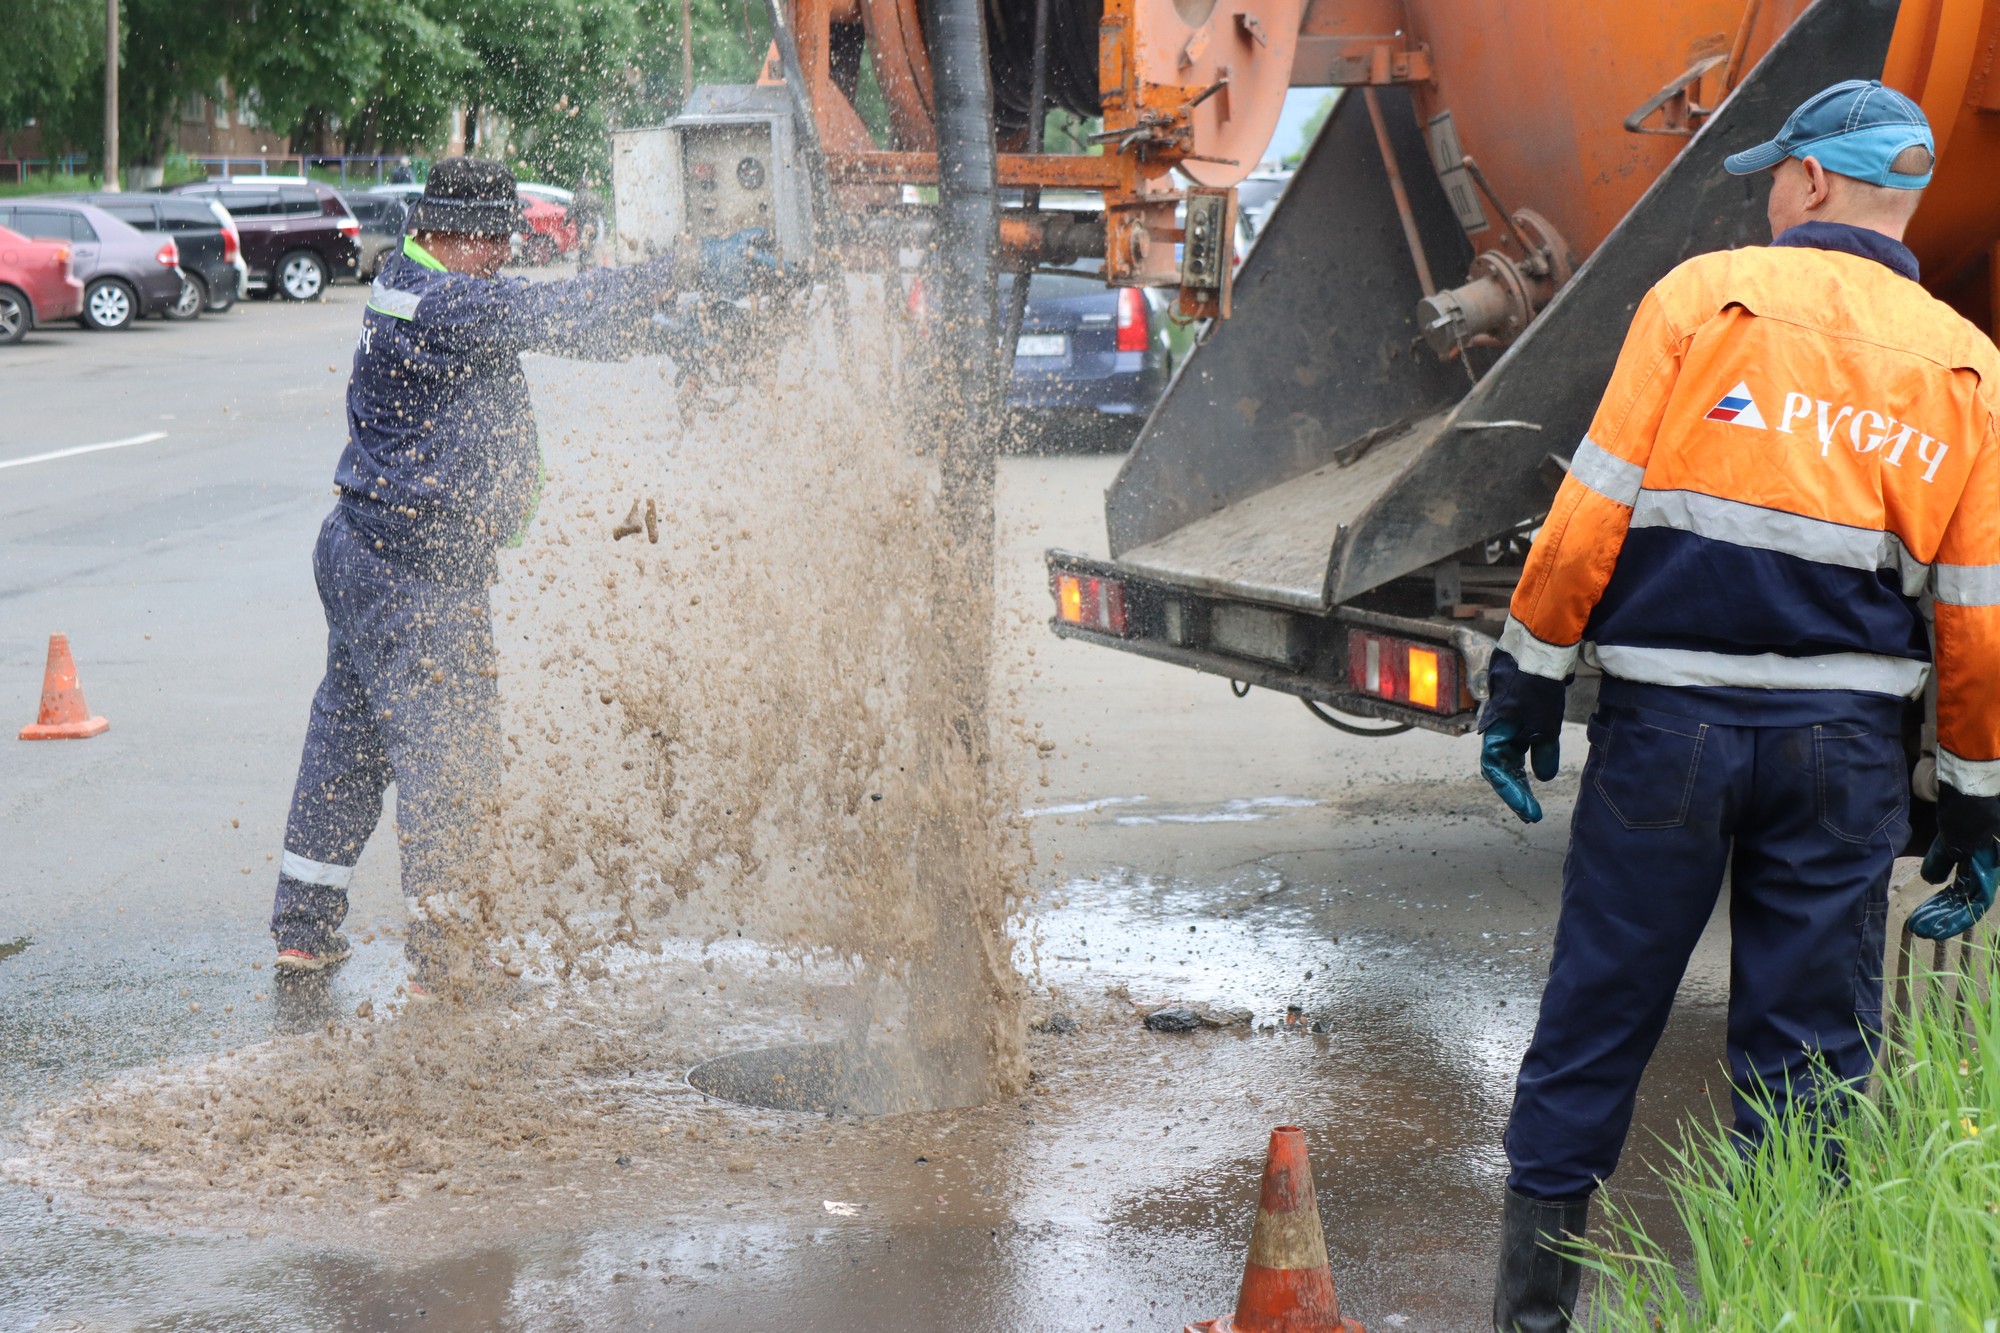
{"x": 169, "y": 254}
{"x": 1404, "y": 671}
{"x": 1090, "y": 602}
{"x": 1134, "y": 330}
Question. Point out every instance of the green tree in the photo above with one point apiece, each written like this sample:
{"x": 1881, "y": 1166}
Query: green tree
{"x": 50, "y": 45}
{"x": 169, "y": 50}
{"x": 552, "y": 72}
{"x": 423, "y": 67}
{"x": 381, "y": 72}
{"x": 1309, "y": 131}
{"x": 376, "y": 75}
{"x": 730, "y": 38}
{"x": 308, "y": 63}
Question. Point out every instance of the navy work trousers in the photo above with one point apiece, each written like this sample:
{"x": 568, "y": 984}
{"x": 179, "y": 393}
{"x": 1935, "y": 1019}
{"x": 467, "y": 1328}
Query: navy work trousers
{"x": 1806, "y": 821}
{"x": 410, "y": 696}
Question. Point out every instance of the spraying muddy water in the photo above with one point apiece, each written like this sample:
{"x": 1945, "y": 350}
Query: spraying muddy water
{"x": 735, "y": 735}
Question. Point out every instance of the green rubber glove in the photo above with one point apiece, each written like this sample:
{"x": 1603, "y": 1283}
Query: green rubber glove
{"x": 733, "y": 266}
{"x": 1957, "y": 907}
{"x": 1500, "y": 762}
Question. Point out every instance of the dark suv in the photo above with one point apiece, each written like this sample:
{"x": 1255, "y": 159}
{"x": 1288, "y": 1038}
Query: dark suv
{"x": 296, "y": 238}
{"x": 212, "y": 267}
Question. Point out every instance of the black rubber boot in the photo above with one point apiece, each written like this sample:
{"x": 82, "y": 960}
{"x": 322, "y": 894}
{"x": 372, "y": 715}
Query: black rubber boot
{"x": 1535, "y": 1290}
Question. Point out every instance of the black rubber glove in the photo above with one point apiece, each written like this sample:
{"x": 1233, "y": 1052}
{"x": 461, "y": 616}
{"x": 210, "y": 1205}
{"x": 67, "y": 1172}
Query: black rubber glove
{"x": 1965, "y": 824}
{"x": 1522, "y": 717}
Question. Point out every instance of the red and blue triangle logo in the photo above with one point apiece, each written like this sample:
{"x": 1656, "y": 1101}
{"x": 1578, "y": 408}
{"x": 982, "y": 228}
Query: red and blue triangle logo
{"x": 1737, "y": 408}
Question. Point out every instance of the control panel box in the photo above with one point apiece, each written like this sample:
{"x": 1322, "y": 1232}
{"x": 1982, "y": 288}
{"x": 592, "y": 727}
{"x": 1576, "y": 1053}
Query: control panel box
{"x": 729, "y": 163}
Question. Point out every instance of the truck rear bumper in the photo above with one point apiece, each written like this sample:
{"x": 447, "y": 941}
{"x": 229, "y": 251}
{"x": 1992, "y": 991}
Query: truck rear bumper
{"x": 1293, "y": 652}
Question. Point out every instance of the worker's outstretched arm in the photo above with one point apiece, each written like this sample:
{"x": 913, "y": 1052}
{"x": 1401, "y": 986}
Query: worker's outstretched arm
{"x": 595, "y": 316}
{"x": 608, "y": 313}
{"x": 1571, "y": 562}
{"x": 1966, "y": 602}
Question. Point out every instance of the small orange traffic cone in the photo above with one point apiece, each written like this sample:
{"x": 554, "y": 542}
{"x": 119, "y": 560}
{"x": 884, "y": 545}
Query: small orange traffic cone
{"x": 65, "y": 716}
{"x": 1287, "y": 1282}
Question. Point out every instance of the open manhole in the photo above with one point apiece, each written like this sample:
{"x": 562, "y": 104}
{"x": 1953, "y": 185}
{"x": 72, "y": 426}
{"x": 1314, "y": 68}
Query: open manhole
{"x": 829, "y": 1078}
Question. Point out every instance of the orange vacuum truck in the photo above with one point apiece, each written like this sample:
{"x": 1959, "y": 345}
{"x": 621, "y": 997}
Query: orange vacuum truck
{"x": 1334, "y": 495}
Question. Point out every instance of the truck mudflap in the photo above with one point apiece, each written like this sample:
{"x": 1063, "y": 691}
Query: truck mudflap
{"x": 1419, "y": 672}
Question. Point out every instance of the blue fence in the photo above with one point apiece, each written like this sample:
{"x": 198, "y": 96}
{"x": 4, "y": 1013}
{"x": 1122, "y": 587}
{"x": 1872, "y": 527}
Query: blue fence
{"x": 13, "y": 170}
{"x": 354, "y": 169}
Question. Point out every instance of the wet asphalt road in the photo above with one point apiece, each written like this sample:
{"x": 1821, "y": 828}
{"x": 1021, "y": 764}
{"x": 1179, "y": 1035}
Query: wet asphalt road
{"x": 1210, "y": 850}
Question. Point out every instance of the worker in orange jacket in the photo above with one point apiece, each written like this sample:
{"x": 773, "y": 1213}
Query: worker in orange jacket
{"x": 1797, "y": 443}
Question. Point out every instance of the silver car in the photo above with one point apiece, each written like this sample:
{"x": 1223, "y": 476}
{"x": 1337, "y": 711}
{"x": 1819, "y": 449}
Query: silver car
{"x": 383, "y": 216}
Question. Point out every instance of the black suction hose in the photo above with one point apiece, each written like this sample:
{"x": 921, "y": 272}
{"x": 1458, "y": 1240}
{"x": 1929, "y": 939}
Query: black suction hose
{"x": 965, "y": 388}
{"x": 968, "y": 231}
{"x": 1062, "y": 38}
{"x": 1031, "y": 198}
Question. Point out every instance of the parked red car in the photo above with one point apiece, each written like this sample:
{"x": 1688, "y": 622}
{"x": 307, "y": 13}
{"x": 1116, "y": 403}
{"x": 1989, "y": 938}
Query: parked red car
{"x": 38, "y": 285}
{"x": 549, "y": 233}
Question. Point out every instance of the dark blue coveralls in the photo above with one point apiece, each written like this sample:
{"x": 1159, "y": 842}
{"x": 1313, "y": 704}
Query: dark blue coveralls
{"x": 442, "y": 466}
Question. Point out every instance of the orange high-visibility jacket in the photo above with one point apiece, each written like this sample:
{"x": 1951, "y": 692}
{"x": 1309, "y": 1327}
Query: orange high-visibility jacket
{"x": 1794, "y": 445}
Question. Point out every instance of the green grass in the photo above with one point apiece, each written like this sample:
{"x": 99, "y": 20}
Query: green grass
{"x": 63, "y": 182}
{"x": 1910, "y": 1241}
{"x": 48, "y": 183}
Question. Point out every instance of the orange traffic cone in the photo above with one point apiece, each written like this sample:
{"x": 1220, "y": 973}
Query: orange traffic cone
{"x": 1287, "y": 1282}
{"x": 65, "y": 716}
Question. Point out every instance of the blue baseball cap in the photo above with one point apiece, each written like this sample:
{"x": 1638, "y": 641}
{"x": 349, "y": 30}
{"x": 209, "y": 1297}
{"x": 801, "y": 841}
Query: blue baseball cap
{"x": 1854, "y": 128}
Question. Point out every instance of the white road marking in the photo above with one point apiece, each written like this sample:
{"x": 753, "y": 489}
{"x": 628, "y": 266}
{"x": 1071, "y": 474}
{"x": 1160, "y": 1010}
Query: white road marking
{"x": 74, "y": 450}
{"x": 1081, "y": 807}
{"x": 1242, "y": 810}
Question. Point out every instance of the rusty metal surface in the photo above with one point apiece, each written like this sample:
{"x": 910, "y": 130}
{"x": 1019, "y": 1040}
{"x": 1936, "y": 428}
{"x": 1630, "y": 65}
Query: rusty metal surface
{"x": 1318, "y": 351}
{"x": 1178, "y": 50}
{"x": 1352, "y": 42}
{"x": 1474, "y": 483}
{"x": 1054, "y": 170}
{"x": 1946, "y": 54}
{"x": 1539, "y": 91}
{"x": 902, "y": 65}
{"x": 839, "y": 124}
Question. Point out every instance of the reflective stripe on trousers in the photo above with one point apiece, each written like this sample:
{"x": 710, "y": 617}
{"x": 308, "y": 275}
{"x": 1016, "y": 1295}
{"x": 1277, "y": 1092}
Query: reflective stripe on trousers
{"x": 409, "y": 696}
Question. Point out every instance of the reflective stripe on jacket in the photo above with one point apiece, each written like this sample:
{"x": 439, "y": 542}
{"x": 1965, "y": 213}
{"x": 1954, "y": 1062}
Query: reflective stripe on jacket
{"x": 1795, "y": 444}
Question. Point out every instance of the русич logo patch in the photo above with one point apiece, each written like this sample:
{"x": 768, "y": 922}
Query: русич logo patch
{"x": 1737, "y": 408}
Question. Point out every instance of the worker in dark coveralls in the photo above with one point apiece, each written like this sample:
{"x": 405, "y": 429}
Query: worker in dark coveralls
{"x": 586, "y": 216}
{"x": 1797, "y": 443}
{"x": 441, "y": 468}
